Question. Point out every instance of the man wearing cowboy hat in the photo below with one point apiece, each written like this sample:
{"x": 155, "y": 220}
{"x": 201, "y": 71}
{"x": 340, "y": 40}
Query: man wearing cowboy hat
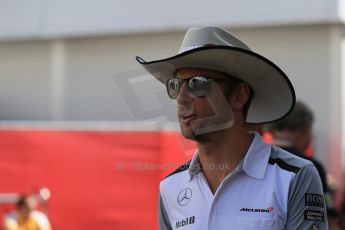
{"x": 234, "y": 180}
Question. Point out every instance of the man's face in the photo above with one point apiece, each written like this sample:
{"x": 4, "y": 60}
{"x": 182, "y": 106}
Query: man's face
{"x": 31, "y": 202}
{"x": 201, "y": 115}
{"x": 299, "y": 138}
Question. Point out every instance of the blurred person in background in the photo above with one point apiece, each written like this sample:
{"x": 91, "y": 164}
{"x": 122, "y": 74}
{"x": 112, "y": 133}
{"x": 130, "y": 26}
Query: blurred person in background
{"x": 26, "y": 216}
{"x": 342, "y": 214}
{"x": 294, "y": 134}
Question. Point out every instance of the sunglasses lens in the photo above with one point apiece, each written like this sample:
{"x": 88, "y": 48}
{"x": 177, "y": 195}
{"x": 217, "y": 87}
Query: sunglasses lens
{"x": 199, "y": 86}
{"x": 173, "y": 87}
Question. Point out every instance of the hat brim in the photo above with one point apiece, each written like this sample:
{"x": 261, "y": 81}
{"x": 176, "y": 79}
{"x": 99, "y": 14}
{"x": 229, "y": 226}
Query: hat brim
{"x": 274, "y": 96}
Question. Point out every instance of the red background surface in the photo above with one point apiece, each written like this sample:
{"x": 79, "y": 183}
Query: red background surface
{"x": 98, "y": 180}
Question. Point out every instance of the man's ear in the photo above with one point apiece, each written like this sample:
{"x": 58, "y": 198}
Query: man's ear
{"x": 240, "y": 96}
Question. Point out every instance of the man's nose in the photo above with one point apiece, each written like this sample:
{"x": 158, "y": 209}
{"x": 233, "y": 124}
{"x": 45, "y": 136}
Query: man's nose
{"x": 184, "y": 96}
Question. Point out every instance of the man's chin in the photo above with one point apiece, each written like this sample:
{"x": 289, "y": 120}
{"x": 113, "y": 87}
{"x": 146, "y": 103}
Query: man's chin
{"x": 188, "y": 133}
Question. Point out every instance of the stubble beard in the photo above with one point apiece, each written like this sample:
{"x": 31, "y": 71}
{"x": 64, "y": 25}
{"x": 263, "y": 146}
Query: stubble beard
{"x": 201, "y": 129}
{"x": 193, "y": 133}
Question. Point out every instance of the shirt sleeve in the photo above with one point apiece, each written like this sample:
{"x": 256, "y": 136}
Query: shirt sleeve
{"x": 163, "y": 219}
{"x": 306, "y": 202}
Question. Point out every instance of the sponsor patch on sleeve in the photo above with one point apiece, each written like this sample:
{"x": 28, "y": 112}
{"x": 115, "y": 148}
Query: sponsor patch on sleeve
{"x": 315, "y": 227}
{"x": 315, "y": 200}
{"x": 314, "y": 215}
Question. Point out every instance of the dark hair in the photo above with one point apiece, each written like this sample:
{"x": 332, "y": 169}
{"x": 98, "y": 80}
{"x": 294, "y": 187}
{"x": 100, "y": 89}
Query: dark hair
{"x": 233, "y": 82}
{"x": 300, "y": 117}
{"x": 249, "y": 101}
{"x": 22, "y": 201}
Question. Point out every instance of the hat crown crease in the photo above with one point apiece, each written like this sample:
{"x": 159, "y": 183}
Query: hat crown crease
{"x": 200, "y": 37}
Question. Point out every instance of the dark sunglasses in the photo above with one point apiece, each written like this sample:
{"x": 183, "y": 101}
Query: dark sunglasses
{"x": 198, "y": 86}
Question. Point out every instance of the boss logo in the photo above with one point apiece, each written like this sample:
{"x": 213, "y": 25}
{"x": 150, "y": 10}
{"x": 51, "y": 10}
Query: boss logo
{"x": 316, "y": 200}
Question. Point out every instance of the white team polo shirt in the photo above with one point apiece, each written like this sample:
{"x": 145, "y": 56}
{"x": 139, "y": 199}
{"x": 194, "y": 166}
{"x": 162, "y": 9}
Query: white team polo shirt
{"x": 269, "y": 189}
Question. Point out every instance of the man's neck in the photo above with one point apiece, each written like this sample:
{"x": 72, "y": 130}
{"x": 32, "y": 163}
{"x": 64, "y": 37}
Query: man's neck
{"x": 221, "y": 154}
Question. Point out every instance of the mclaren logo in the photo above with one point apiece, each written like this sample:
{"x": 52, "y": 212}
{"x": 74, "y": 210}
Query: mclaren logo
{"x": 270, "y": 209}
{"x": 184, "y": 196}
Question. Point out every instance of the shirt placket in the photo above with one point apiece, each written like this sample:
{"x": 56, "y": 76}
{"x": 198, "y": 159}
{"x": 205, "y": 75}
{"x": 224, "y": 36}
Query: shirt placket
{"x": 213, "y": 221}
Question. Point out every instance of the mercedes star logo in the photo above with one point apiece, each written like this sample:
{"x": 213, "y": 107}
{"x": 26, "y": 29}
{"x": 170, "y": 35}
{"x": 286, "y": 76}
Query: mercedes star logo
{"x": 184, "y": 196}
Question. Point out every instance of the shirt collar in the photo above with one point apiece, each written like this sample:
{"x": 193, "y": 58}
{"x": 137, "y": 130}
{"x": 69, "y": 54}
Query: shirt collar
{"x": 195, "y": 166}
{"x": 256, "y": 159}
{"x": 254, "y": 163}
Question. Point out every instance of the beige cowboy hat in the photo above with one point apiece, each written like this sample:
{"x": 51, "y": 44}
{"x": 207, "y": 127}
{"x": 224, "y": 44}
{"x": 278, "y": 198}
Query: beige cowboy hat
{"x": 216, "y": 49}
